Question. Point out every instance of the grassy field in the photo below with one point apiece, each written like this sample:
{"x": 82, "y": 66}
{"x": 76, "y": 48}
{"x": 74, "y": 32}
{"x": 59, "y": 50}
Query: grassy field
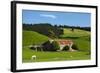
{"x": 54, "y": 56}
{"x": 31, "y": 37}
{"x": 80, "y": 37}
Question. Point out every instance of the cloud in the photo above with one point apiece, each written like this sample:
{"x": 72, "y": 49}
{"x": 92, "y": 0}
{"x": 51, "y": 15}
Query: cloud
{"x": 48, "y": 15}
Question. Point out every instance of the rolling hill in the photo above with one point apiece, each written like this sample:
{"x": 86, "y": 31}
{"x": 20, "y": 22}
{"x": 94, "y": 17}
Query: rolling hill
{"x": 32, "y": 37}
{"x": 43, "y": 28}
{"x": 80, "y": 37}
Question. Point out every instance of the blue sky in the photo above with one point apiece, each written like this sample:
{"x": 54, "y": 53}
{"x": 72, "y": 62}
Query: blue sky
{"x": 59, "y": 18}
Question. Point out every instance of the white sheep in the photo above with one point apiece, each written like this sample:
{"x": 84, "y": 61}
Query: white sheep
{"x": 33, "y": 57}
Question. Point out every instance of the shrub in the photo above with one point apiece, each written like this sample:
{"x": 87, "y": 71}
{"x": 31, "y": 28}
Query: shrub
{"x": 55, "y": 46}
{"x": 75, "y": 47}
{"x": 32, "y": 48}
{"x": 47, "y": 46}
{"x": 66, "y": 48}
{"x": 39, "y": 48}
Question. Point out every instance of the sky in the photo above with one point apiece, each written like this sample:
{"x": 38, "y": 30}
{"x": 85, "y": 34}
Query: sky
{"x": 58, "y": 18}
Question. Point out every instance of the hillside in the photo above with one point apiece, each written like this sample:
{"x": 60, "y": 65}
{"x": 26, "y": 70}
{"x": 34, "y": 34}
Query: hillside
{"x": 32, "y": 37}
{"x": 43, "y": 28}
{"x": 75, "y": 33}
{"x": 80, "y": 37}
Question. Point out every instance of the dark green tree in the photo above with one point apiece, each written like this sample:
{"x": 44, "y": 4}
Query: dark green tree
{"x": 55, "y": 45}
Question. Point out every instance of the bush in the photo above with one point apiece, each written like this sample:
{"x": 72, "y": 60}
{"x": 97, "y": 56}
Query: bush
{"x": 47, "y": 46}
{"x": 32, "y": 48}
{"x": 55, "y": 46}
{"x": 39, "y": 48}
{"x": 75, "y": 47}
{"x": 66, "y": 48}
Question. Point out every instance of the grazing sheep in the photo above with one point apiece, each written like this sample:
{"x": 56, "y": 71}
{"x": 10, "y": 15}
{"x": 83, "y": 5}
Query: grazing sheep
{"x": 33, "y": 57}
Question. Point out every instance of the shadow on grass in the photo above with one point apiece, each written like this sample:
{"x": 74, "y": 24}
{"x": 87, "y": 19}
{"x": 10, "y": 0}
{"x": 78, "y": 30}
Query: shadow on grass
{"x": 69, "y": 37}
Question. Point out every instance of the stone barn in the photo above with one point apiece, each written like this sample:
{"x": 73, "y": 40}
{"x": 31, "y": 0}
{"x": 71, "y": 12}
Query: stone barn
{"x": 62, "y": 43}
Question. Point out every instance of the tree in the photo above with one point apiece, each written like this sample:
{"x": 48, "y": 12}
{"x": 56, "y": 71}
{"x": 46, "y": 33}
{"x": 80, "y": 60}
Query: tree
{"x": 55, "y": 45}
{"x": 47, "y": 46}
{"x": 44, "y": 28}
{"x": 72, "y": 29}
{"x": 52, "y": 34}
{"x": 66, "y": 48}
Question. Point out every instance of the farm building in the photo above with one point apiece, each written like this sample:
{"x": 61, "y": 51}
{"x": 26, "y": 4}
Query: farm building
{"x": 54, "y": 45}
{"x": 61, "y": 42}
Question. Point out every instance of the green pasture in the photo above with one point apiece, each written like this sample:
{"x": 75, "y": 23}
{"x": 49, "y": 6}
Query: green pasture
{"x": 31, "y": 37}
{"x": 53, "y": 56}
{"x": 80, "y": 37}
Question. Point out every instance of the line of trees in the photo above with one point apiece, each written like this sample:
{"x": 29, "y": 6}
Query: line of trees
{"x": 74, "y": 27}
{"x": 52, "y": 31}
{"x": 45, "y": 29}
